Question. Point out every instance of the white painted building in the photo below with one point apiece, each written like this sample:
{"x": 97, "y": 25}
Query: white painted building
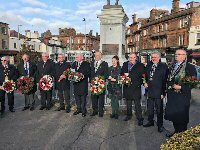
{"x": 194, "y": 37}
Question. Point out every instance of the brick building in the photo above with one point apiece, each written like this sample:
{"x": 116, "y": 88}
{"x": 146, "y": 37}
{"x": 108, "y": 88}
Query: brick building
{"x": 165, "y": 30}
{"x": 75, "y": 41}
{"x": 4, "y": 36}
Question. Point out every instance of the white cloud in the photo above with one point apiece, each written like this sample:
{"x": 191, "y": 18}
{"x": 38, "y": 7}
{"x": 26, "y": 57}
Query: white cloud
{"x": 12, "y": 18}
{"x": 35, "y": 3}
{"x": 141, "y": 11}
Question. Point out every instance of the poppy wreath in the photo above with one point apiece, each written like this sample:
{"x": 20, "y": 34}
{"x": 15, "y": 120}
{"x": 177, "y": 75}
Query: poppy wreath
{"x": 8, "y": 86}
{"x": 97, "y": 85}
{"x": 46, "y": 83}
{"x": 75, "y": 76}
{"x": 25, "y": 84}
{"x": 124, "y": 80}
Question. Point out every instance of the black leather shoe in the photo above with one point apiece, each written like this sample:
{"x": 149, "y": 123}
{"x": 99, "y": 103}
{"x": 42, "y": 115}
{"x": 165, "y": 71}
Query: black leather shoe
{"x": 160, "y": 129}
{"x": 42, "y": 107}
{"x": 32, "y": 108}
{"x": 25, "y": 108}
{"x": 93, "y": 114}
{"x": 149, "y": 124}
{"x": 48, "y": 108}
{"x": 12, "y": 110}
{"x": 76, "y": 112}
{"x": 140, "y": 122}
{"x": 68, "y": 109}
{"x": 168, "y": 135}
{"x": 127, "y": 118}
{"x": 112, "y": 115}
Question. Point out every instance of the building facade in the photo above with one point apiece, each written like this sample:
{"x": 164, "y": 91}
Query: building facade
{"x": 165, "y": 30}
{"x": 4, "y": 36}
{"x": 75, "y": 41}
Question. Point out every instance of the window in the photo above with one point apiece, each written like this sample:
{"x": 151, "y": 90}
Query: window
{"x": 144, "y": 32}
{"x": 4, "y": 46}
{"x": 78, "y": 41}
{"x": 15, "y": 45}
{"x": 39, "y": 47}
{"x": 198, "y": 39}
{"x": 180, "y": 40}
{"x": 3, "y": 30}
{"x": 166, "y": 26}
{"x": 83, "y": 40}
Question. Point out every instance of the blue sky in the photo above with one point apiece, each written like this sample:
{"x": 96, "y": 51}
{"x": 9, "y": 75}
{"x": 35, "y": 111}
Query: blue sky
{"x": 41, "y": 15}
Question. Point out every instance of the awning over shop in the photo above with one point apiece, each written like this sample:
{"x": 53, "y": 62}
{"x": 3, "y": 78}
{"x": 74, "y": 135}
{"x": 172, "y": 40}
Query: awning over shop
{"x": 8, "y": 52}
{"x": 195, "y": 54}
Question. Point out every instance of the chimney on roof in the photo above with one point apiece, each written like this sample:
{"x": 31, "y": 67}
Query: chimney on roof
{"x": 175, "y": 5}
{"x": 134, "y": 18}
{"x": 153, "y": 14}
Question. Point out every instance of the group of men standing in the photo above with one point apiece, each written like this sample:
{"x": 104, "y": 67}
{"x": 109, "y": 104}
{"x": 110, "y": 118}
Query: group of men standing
{"x": 159, "y": 81}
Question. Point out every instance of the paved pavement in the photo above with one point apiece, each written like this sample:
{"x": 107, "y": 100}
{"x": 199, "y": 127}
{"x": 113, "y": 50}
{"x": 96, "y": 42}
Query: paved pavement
{"x": 50, "y": 130}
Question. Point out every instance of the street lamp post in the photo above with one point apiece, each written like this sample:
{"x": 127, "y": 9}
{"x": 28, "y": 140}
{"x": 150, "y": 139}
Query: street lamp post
{"x": 18, "y": 36}
{"x": 85, "y": 33}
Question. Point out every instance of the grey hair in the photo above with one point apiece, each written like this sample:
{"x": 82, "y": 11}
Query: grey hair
{"x": 61, "y": 54}
{"x": 182, "y": 50}
{"x": 157, "y": 53}
{"x": 5, "y": 57}
{"x": 45, "y": 54}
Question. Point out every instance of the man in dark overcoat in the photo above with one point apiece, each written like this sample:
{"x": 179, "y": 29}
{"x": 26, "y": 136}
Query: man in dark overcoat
{"x": 98, "y": 68}
{"x": 179, "y": 94}
{"x": 29, "y": 69}
{"x": 45, "y": 67}
{"x": 156, "y": 77}
{"x": 7, "y": 72}
{"x": 81, "y": 87}
{"x": 62, "y": 83}
{"x": 133, "y": 69}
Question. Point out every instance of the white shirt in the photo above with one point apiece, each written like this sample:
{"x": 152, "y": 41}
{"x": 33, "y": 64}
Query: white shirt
{"x": 26, "y": 65}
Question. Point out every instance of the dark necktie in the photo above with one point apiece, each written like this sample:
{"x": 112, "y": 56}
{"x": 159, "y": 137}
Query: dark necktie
{"x": 44, "y": 64}
{"x": 96, "y": 64}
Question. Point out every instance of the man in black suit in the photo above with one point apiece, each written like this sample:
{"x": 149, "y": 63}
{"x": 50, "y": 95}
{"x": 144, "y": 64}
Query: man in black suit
{"x": 62, "y": 83}
{"x": 7, "y": 72}
{"x": 98, "y": 68}
{"x": 28, "y": 68}
{"x": 134, "y": 70}
{"x": 156, "y": 77}
{"x": 81, "y": 87}
{"x": 45, "y": 67}
{"x": 178, "y": 94}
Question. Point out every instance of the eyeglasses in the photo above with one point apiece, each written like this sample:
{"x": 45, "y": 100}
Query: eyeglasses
{"x": 179, "y": 54}
{"x": 3, "y": 60}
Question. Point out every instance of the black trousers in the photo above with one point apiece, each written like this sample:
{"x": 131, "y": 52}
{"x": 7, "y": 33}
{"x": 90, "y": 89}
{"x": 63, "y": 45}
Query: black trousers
{"x": 10, "y": 100}
{"x": 152, "y": 104}
{"x": 180, "y": 127}
{"x": 81, "y": 103}
{"x": 138, "y": 109}
{"x": 64, "y": 95}
{"x": 46, "y": 97}
{"x": 98, "y": 103}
